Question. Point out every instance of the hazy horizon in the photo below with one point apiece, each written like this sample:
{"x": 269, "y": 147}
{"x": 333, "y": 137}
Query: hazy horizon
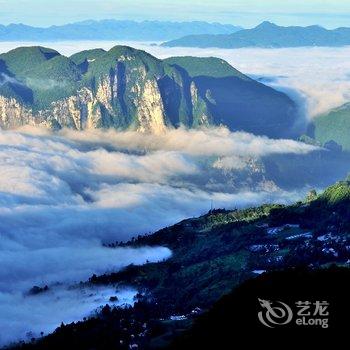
{"x": 247, "y": 13}
{"x": 279, "y": 23}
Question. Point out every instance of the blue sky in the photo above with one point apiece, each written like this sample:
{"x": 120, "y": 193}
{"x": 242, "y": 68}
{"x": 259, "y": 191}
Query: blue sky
{"x": 329, "y": 13}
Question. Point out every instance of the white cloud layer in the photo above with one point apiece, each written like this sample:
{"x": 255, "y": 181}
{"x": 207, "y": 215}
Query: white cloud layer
{"x": 44, "y": 312}
{"x": 63, "y": 195}
{"x": 317, "y": 78}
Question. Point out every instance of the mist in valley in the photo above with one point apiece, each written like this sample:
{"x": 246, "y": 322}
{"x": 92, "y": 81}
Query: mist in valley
{"x": 65, "y": 195}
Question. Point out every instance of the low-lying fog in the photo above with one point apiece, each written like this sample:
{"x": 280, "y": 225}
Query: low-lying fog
{"x": 317, "y": 77}
{"x": 63, "y": 195}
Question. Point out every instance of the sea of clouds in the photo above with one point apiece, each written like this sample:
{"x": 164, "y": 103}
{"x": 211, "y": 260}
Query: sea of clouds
{"x": 63, "y": 195}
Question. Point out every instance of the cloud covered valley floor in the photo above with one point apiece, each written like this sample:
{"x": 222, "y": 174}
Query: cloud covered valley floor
{"x": 63, "y": 196}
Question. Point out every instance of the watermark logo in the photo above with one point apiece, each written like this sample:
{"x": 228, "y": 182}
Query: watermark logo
{"x": 274, "y": 314}
{"x": 302, "y": 313}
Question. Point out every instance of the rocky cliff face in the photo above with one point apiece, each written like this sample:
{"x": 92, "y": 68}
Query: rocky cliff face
{"x": 126, "y": 96}
{"x": 75, "y": 112}
{"x": 123, "y": 88}
{"x": 92, "y": 109}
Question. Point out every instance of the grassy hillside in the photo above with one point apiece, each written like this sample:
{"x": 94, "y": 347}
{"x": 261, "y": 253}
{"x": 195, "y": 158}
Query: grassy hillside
{"x": 23, "y": 59}
{"x": 237, "y": 312}
{"x": 206, "y": 66}
{"x": 53, "y": 80}
{"x": 40, "y": 72}
{"x": 106, "y": 63}
{"x": 212, "y": 255}
{"x": 82, "y": 59}
{"x": 235, "y": 100}
{"x": 216, "y": 251}
{"x": 188, "y": 91}
{"x": 333, "y": 126}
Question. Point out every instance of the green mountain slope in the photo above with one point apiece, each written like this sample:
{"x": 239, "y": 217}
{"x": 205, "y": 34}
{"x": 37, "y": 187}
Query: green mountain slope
{"x": 213, "y": 252}
{"x": 212, "y": 255}
{"x": 23, "y": 59}
{"x": 237, "y": 101}
{"x": 42, "y": 73}
{"x": 83, "y": 58}
{"x": 237, "y": 312}
{"x": 55, "y": 79}
{"x": 268, "y": 35}
{"x": 333, "y": 126}
{"x": 206, "y": 66}
{"x": 125, "y": 88}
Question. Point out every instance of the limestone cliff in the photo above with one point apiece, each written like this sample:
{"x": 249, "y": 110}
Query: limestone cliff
{"x": 125, "y": 88}
{"x": 92, "y": 109}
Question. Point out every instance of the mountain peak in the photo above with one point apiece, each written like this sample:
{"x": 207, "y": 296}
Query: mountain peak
{"x": 147, "y": 93}
{"x": 266, "y": 25}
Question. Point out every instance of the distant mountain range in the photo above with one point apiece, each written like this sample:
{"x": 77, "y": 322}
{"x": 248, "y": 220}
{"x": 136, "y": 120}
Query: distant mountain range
{"x": 125, "y": 88}
{"x": 113, "y": 30}
{"x": 268, "y": 35}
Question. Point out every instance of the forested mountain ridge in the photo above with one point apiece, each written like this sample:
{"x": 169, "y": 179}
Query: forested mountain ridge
{"x": 211, "y": 255}
{"x": 125, "y": 88}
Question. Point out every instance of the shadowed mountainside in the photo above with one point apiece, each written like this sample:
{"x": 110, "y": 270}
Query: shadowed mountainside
{"x": 125, "y": 88}
{"x": 213, "y": 254}
{"x": 332, "y": 129}
{"x": 268, "y": 35}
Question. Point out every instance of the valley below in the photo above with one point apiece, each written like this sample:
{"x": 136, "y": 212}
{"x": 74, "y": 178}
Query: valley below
{"x": 211, "y": 255}
{"x": 137, "y": 189}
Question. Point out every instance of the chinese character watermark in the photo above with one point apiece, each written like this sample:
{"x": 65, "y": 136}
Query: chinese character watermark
{"x": 301, "y": 313}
